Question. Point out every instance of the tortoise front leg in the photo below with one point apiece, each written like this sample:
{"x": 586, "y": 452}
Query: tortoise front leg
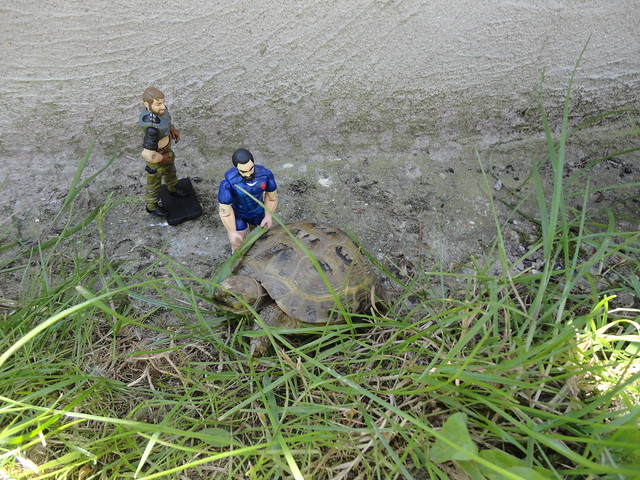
{"x": 273, "y": 316}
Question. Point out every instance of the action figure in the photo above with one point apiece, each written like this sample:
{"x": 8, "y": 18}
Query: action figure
{"x": 155, "y": 120}
{"x": 238, "y": 208}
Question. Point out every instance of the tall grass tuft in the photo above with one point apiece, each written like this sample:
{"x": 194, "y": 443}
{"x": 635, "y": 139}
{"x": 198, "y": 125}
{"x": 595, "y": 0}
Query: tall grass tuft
{"x": 510, "y": 375}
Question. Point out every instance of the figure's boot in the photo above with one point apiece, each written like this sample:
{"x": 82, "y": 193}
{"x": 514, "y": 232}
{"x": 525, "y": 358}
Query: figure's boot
{"x": 158, "y": 210}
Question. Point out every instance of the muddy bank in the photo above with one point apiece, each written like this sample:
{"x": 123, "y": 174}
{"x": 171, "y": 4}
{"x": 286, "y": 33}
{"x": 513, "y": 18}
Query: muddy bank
{"x": 415, "y": 212}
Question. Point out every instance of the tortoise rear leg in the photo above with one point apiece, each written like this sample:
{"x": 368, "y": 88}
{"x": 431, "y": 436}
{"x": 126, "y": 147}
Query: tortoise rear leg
{"x": 273, "y": 316}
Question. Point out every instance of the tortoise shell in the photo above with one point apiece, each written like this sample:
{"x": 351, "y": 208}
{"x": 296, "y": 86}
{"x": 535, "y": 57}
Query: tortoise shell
{"x": 278, "y": 261}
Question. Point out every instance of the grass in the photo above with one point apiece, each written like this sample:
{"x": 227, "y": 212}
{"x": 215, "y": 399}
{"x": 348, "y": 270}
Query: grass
{"x": 486, "y": 372}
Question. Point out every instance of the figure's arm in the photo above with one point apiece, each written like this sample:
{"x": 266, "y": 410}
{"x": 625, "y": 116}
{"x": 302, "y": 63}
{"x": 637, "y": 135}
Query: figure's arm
{"x": 150, "y": 145}
{"x": 174, "y": 134}
{"x": 228, "y": 218}
{"x": 270, "y": 204}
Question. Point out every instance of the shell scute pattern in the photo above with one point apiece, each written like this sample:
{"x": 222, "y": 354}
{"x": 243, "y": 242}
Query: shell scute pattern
{"x": 293, "y": 280}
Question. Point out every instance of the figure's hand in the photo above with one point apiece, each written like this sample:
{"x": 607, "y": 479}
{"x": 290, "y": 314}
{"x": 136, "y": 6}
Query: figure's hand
{"x": 236, "y": 239}
{"x": 267, "y": 221}
{"x": 174, "y": 134}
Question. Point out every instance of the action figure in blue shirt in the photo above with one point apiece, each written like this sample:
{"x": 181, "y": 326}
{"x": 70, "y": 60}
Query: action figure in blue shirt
{"x": 237, "y": 193}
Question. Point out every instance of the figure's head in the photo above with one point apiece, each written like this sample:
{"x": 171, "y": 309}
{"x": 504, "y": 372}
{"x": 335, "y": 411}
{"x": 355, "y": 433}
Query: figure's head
{"x": 153, "y": 100}
{"x": 243, "y": 160}
{"x": 237, "y": 287}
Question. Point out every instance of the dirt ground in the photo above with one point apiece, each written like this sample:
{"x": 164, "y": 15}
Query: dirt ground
{"x": 429, "y": 210}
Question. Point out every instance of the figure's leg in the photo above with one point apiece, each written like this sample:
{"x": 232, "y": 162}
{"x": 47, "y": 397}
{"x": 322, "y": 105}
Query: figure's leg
{"x": 152, "y": 192}
{"x": 242, "y": 230}
{"x": 171, "y": 176}
{"x": 236, "y": 240}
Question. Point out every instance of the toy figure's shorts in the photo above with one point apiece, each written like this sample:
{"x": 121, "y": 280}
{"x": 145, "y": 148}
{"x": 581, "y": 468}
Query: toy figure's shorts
{"x": 243, "y": 223}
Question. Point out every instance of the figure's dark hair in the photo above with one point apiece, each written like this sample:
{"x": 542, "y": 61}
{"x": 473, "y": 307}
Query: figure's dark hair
{"x": 241, "y": 156}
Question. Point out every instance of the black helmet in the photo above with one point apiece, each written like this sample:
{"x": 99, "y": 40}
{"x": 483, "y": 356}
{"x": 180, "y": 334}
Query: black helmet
{"x": 240, "y": 156}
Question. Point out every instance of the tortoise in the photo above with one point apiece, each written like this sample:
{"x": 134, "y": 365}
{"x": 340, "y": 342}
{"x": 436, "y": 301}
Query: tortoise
{"x": 278, "y": 279}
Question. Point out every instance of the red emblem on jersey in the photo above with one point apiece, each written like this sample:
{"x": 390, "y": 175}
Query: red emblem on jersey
{"x": 263, "y": 186}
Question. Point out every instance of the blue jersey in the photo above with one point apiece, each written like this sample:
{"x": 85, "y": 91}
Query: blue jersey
{"x": 244, "y": 206}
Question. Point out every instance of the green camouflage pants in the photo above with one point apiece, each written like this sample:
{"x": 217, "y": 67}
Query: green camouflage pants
{"x": 162, "y": 171}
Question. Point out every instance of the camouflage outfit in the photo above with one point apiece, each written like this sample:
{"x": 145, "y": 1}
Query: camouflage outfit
{"x": 165, "y": 169}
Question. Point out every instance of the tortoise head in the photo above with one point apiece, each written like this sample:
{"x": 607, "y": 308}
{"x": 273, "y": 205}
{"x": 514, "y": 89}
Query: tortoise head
{"x": 236, "y": 288}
